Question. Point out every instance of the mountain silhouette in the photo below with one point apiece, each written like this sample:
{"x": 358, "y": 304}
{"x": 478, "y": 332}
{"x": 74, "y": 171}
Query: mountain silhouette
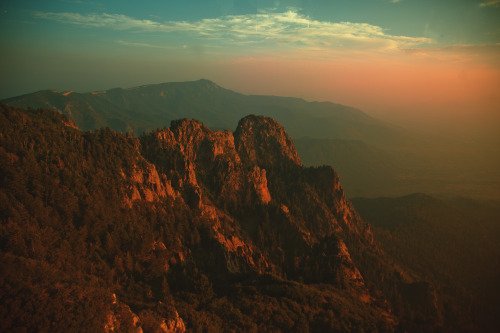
{"x": 150, "y": 107}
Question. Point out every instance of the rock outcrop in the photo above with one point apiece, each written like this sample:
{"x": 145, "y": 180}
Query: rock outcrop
{"x": 222, "y": 175}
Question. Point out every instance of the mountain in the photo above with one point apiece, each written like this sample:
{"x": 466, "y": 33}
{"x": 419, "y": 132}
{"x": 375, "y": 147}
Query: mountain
{"x": 150, "y": 107}
{"x": 452, "y": 243}
{"x": 186, "y": 228}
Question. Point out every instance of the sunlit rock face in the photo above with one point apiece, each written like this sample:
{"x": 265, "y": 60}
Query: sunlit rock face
{"x": 221, "y": 175}
{"x": 259, "y": 181}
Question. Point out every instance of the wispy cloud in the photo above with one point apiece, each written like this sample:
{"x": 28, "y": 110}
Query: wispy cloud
{"x": 486, "y": 3}
{"x": 122, "y": 42}
{"x": 288, "y": 28}
{"x": 112, "y": 21}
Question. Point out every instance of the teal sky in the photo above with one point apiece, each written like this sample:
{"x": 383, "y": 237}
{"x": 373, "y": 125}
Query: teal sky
{"x": 446, "y": 21}
{"x": 357, "y": 52}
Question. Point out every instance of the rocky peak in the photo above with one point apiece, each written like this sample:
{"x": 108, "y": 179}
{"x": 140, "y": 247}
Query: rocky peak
{"x": 217, "y": 171}
{"x": 263, "y": 141}
{"x": 181, "y": 125}
{"x": 198, "y": 142}
{"x": 188, "y": 131}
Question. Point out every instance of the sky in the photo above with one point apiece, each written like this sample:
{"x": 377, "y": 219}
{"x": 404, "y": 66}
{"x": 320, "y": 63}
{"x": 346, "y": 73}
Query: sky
{"x": 422, "y": 63}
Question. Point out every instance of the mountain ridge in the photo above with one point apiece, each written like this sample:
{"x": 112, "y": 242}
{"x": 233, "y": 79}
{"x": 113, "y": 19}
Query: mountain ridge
{"x": 391, "y": 161}
{"x": 148, "y": 107}
{"x": 186, "y": 227}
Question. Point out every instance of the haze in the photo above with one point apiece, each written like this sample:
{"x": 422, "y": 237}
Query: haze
{"x": 431, "y": 65}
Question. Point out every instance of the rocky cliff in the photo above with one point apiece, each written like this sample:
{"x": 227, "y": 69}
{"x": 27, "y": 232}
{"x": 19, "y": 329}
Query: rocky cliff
{"x": 189, "y": 228}
{"x": 222, "y": 175}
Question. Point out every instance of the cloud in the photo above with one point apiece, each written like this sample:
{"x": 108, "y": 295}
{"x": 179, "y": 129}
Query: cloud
{"x": 395, "y": 1}
{"x": 283, "y": 29}
{"x": 487, "y": 3}
{"x": 122, "y": 42}
{"x": 112, "y": 21}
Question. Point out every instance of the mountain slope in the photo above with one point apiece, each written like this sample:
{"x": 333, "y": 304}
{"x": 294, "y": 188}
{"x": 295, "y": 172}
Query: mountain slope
{"x": 453, "y": 244}
{"x": 186, "y": 228}
{"x": 183, "y": 228}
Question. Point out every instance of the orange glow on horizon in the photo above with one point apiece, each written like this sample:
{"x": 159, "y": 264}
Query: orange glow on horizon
{"x": 410, "y": 85}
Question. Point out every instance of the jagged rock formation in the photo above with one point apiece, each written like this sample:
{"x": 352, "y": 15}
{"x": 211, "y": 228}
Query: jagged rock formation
{"x": 215, "y": 170}
{"x": 190, "y": 228}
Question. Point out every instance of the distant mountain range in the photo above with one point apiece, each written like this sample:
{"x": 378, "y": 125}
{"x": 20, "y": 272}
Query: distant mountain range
{"x": 149, "y": 107}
